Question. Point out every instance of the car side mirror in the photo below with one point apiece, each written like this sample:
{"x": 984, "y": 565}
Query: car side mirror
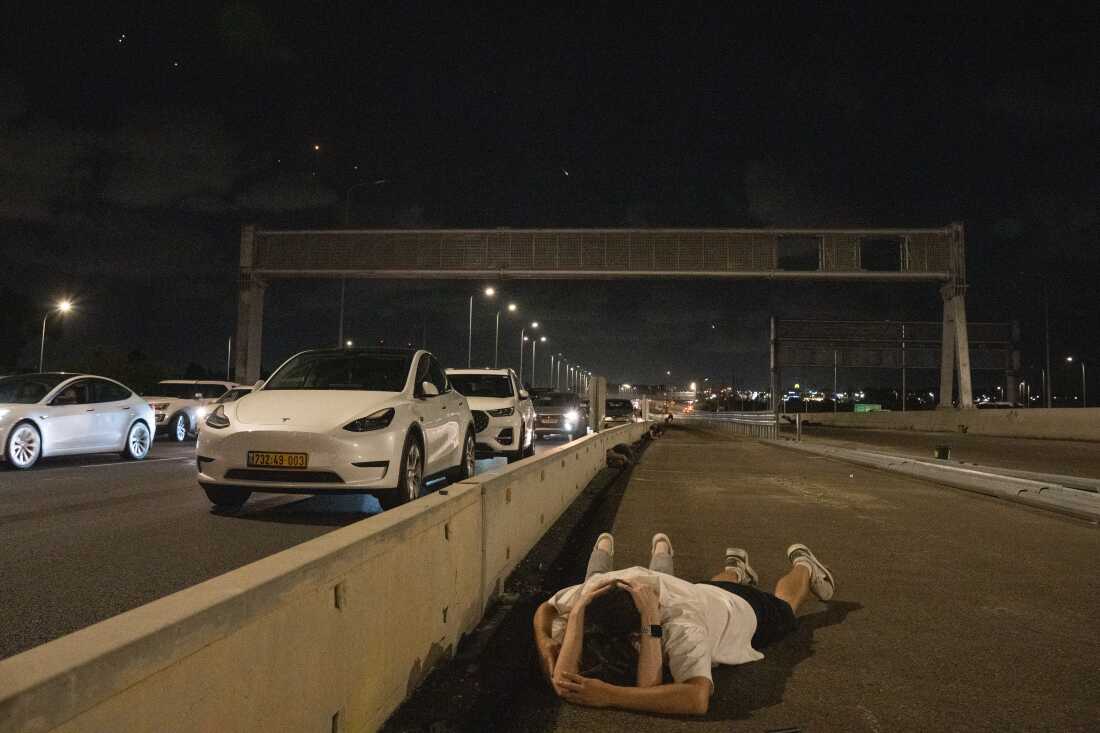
{"x": 427, "y": 389}
{"x": 524, "y": 394}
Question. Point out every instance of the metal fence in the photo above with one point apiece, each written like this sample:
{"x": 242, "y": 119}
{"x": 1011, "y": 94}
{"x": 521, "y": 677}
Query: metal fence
{"x": 752, "y": 424}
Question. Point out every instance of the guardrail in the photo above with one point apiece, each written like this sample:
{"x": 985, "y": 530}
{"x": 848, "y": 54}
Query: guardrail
{"x": 329, "y": 635}
{"x": 752, "y": 424}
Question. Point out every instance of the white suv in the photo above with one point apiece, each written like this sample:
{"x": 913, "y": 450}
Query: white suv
{"x": 503, "y": 414}
{"x": 368, "y": 421}
{"x": 177, "y": 404}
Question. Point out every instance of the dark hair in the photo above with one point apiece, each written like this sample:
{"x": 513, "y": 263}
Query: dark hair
{"x": 613, "y": 612}
{"x": 611, "y": 622}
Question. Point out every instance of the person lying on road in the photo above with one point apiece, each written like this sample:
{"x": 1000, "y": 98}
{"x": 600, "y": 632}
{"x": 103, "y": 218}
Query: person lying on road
{"x": 605, "y": 642}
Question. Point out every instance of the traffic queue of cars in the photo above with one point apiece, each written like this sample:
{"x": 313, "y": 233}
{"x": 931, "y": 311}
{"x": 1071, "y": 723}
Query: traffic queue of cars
{"x": 376, "y": 421}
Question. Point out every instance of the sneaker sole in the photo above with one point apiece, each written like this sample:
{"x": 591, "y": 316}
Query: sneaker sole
{"x": 817, "y": 564}
{"x": 742, "y": 557}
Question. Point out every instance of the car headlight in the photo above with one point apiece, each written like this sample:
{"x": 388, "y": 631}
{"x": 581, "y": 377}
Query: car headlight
{"x": 502, "y": 412}
{"x": 571, "y": 416}
{"x": 374, "y": 421}
{"x": 217, "y": 418}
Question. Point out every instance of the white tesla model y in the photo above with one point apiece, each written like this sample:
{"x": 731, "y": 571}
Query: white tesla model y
{"x": 371, "y": 421}
{"x": 59, "y": 414}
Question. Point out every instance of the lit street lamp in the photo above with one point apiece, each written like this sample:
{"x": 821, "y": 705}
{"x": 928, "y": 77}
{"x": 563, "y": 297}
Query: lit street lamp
{"x": 488, "y": 292}
{"x": 522, "y": 338}
{"x": 533, "y": 362}
{"x": 512, "y": 308}
{"x": 62, "y": 308}
{"x": 1084, "y": 395}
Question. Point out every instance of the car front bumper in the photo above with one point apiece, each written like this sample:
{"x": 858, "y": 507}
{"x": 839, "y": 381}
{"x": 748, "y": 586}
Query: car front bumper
{"x": 356, "y": 463}
{"x": 500, "y": 437}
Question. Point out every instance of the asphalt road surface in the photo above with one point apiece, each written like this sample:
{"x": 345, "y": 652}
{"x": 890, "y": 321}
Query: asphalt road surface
{"x": 88, "y": 537}
{"x": 954, "y": 611}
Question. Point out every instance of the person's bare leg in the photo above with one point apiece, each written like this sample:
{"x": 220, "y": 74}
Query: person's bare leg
{"x": 602, "y": 557}
{"x": 730, "y": 575}
{"x": 794, "y": 587}
{"x": 660, "y": 559}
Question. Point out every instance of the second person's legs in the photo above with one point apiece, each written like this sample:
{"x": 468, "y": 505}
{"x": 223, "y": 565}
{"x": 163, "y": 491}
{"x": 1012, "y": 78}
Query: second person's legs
{"x": 660, "y": 558}
{"x": 602, "y": 557}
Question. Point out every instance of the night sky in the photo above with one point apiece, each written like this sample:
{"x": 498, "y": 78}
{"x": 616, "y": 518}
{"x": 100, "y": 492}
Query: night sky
{"x": 135, "y": 141}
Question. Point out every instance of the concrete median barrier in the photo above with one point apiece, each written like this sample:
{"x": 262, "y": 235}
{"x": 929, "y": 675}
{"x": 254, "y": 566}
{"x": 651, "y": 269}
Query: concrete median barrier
{"x": 1058, "y": 423}
{"x": 330, "y": 635}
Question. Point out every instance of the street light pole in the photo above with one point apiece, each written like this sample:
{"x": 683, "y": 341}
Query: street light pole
{"x": 340, "y": 330}
{"x": 496, "y": 340}
{"x": 63, "y": 307}
{"x": 470, "y": 338}
{"x": 1046, "y": 337}
{"x": 1084, "y": 394}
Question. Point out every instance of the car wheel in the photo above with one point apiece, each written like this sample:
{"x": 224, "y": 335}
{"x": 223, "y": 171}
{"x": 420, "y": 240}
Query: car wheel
{"x": 469, "y": 460}
{"x": 520, "y": 452}
{"x": 137, "y": 442}
{"x": 24, "y": 446}
{"x": 177, "y": 428}
{"x": 226, "y": 496}
{"x": 410, "y": 481}
{"x": 529, "y": 450}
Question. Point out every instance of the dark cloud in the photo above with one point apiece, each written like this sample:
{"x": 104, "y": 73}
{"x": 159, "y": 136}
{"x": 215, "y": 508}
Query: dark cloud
{"x": 187, "y": 157}
{"x": 40, "y": 163}
{"x": 776, "y": 196}
{"x": 286, "y": 193}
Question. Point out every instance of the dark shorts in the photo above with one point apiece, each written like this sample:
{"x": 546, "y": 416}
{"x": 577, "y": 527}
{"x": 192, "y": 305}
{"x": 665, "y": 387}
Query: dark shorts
{"x": 774, "y": 617}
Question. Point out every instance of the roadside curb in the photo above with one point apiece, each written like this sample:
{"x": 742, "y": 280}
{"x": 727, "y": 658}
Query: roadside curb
{"x": 1035, "y": 491}
{"x": 497, "y": 657}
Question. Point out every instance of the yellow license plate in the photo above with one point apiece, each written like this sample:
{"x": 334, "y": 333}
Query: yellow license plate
{"x": 264, "y": 459}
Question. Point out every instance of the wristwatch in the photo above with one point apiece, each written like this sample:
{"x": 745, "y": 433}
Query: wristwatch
{"x": 654, "y": 630}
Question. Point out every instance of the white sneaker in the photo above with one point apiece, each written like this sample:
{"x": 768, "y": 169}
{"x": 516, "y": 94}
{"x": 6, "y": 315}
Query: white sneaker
{"x": 738, "y": 559}
{"x": 660, "y": 537}
{"x": 605, "y": 536}
{"x": 822, "y": 582}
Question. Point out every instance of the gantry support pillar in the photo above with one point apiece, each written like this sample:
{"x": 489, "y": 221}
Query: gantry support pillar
{"x": 250, "y": 313}
{"x": 955, "y": 349}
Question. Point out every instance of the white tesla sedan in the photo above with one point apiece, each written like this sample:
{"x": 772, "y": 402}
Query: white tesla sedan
{"x": 59, "y": 414}
{"x": 504, "y": 418}
{"x": 374, "y": 421}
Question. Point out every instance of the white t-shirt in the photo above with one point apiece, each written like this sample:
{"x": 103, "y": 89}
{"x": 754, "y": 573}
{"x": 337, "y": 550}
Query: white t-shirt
{"x": 704, "y": 626}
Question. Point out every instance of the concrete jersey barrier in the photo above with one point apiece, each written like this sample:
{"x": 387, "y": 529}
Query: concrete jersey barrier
{"x": 329, "y": 635}
{"x": 1060, "y": 423}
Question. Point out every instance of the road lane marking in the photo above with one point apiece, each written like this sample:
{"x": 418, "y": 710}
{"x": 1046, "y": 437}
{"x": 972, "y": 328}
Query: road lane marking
{"x": 135, "y": 463}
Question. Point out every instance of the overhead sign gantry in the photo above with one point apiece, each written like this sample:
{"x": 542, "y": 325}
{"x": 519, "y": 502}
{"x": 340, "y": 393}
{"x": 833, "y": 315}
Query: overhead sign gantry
{"x": 903, "y": 255}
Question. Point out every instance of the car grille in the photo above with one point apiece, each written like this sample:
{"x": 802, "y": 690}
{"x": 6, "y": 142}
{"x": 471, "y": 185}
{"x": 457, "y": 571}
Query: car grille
{"x": 481, "y": 420}
{"x": 283, "y": 477}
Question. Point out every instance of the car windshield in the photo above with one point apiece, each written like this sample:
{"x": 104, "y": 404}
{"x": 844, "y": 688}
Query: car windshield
{"x": 343, "y": 370}
{"x": 183, "y": 390}
{"x": 26, "y": 390}
{"x": 482, "y": 385}
{"x": 556, "y": 399}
